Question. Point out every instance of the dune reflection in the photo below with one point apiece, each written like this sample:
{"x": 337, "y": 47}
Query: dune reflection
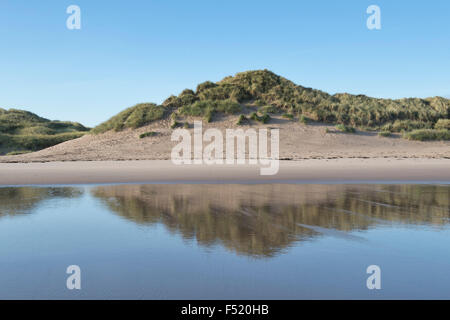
{"x": 22, "y": 200}
{"x": 262, "y": 220}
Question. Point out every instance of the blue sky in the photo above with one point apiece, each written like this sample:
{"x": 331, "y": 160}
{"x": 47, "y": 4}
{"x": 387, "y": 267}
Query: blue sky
{"x": 143, "y": 51}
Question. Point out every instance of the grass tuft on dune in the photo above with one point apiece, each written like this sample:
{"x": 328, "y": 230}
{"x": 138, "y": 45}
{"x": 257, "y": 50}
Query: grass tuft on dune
{"x": 427, "y": 135}
{"x": 133, "y": 117}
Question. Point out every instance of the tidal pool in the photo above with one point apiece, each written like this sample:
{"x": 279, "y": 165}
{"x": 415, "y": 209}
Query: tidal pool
{"x": 225, "y": 241}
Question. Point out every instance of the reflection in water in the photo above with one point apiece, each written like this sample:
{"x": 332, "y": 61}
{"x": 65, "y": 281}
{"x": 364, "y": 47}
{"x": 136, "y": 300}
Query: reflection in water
{"x": 16, "y": 201}
{"x": 304, "y": 241}
{"x": 262, "y": 220}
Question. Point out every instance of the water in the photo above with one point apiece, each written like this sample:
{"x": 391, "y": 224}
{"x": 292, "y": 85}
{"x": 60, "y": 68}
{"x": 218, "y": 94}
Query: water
{"x": 219, "y": 241}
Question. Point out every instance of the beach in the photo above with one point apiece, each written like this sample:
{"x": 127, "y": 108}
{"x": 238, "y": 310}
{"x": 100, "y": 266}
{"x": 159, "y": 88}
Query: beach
{"x": 345, "y": 170}
{"x": 309, "y": 154}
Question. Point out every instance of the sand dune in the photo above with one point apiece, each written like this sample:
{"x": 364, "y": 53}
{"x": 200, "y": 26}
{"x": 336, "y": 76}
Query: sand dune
{"x": 297, "y": 142}
{"x": 318, "y": 153}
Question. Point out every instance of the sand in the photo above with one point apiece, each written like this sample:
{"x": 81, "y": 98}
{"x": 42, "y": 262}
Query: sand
{"x": 316, "y": 153}
{"x": 297, "y": 142}
{"x": 380, "y": 170}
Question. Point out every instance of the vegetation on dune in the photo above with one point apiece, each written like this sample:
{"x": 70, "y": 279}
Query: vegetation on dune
{"x": 442, "y": 124}
{"x": 148, "y": 134}
{"x": 175, "y": 124}
{"x": 207, "y": 108}
{"x": 17, "y": 143}
{"x": 20, "y": 122}
{"x": 345, "y": 129}
{"x": 359, "y": 110}
{"x": 15, "y": 153}
{"x": 303, "y": 119}
{"x": 242, "y": 120}
{"x": 269, "y": 109}
{"x": 427, "y": 134}
{"x": 265, "y": 118}
{"x": 289, "y": 116}
{"x": 133, "y": 117}
{"x": 273, "y": 94}
{"x": 22, "y": 131}
{"x": 406, "y": 125}
{"x": 384, "y": 133}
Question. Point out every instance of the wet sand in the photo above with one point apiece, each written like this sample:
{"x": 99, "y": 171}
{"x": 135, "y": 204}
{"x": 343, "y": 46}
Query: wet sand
{"x": 164, "y": 171}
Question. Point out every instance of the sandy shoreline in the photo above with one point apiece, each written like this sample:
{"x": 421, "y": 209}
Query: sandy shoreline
{"x": 163, "y": 171}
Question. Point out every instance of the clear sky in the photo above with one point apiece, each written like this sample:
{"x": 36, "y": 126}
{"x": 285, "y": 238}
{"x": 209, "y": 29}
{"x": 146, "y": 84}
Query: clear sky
{"x": 143, "y": 51}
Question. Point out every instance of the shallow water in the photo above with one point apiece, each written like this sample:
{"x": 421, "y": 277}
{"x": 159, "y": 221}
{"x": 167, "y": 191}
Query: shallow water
{"x": 221, "y": 241}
